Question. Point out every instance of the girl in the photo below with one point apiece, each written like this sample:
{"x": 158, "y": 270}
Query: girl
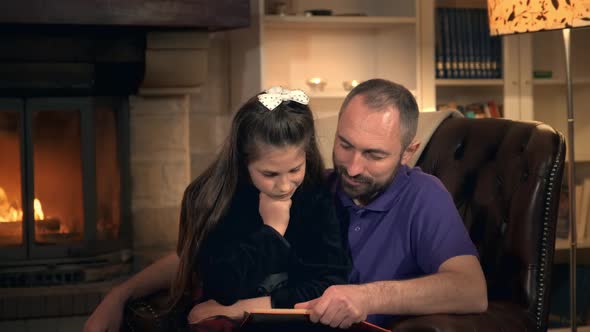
{"x": 258, "y": 229}
{"x": 270, "y": 232}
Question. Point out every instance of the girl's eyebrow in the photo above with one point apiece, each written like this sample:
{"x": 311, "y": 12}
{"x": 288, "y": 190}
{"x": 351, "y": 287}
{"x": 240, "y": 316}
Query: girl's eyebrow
{"x": 298, "y": 166}
{"x": 274, "y": 172}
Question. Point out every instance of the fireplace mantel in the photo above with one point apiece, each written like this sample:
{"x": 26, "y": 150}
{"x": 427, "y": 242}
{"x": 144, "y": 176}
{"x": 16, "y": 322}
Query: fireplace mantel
{"x": 211, "y": 15}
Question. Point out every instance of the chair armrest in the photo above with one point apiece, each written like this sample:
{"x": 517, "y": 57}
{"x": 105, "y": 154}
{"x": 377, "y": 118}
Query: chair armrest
{"x": 151, "y": 314}
{"x": 500, "y": 316}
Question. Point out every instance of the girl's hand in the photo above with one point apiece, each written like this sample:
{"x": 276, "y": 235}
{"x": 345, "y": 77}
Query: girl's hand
{"x": 275, "y": 212}
{"x": 211, "y": 308}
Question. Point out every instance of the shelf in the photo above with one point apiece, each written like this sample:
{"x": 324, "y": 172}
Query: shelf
{"x": 324, "y": 115}
{"x": 469, "y": 82}
{"x": 563, "y": 244}
{"x": 329, "y": 94}
{"x": 350, "y": 22}
{"x": 557, "y": 81}
{"x": 579, "y": 157}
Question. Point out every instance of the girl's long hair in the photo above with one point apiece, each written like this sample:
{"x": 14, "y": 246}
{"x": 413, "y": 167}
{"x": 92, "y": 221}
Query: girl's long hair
{"x": 207, "y": 198}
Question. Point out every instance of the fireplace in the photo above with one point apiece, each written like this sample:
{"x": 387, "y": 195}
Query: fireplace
{"x": 63, "y": 179}
{"x": 64, "y": 142}
{"x": 85, "y": 89}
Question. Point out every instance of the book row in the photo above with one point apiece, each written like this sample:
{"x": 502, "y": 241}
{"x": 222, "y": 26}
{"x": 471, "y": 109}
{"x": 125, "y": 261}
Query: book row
{"x": 464, "y": 47}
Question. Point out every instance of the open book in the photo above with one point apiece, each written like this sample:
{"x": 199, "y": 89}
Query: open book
{"x": 266, "y": 320}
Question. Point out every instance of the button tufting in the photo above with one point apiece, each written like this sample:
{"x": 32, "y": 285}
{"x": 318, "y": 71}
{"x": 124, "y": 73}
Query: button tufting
{"x": 459, "y": 151}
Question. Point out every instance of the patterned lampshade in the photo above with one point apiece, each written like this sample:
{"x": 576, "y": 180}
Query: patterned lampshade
{"x": 519, "y": 16}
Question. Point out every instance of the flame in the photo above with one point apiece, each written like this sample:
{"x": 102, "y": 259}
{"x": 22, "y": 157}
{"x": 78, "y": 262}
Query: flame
{"x": 39, "y": 215}
{"x": 9, "y": 212}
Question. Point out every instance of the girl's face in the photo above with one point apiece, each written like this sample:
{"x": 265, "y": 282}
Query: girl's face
{"x": 278, "y": 171}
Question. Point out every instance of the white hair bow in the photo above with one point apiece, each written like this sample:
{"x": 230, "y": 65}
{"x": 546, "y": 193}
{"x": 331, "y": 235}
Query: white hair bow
{"x": 274, "y": 96}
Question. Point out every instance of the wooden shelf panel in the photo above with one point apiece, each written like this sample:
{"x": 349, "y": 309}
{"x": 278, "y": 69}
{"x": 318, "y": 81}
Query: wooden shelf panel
{"x": 584, "y": 328}
{"x": 469, "y": 82}
{"x": 349, "y": 22}
{"x": 579, "y": 157}
{"x": 557, "y": 81}
{"x": 563, "y": 244}
{"x": 461, "y": 4}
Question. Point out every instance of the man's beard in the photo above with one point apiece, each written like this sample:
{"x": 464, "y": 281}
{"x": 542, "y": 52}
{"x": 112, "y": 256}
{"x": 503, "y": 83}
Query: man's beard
{"x": 366, "y": 188}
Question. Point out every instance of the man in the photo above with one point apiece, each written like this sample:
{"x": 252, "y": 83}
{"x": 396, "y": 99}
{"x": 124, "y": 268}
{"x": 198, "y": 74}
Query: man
{"x": 411, "y": 252}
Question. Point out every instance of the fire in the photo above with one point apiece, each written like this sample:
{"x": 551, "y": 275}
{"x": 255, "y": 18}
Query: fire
{"x": 39, "y": 215}
{"x": 10, "y": 212}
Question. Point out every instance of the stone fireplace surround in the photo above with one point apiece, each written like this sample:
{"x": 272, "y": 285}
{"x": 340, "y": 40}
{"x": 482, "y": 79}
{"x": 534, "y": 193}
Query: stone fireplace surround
{"x": 178, "y": 118}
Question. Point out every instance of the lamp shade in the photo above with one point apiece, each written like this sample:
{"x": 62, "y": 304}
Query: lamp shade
{"x": 519, "y": 16}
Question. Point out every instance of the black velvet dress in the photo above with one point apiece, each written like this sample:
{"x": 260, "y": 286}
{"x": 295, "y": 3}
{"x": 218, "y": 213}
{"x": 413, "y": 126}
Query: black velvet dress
{"x": 244, "y": 258}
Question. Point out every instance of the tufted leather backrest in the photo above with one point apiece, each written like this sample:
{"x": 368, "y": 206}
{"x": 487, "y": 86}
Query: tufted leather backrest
{"x": 505, "y": 178}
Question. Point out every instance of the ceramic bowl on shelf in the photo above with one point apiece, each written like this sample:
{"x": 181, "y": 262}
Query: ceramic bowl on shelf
{"x": 316, "y": 84}
{"x": 318, "y": 12}
{"x": 349, "y": 85}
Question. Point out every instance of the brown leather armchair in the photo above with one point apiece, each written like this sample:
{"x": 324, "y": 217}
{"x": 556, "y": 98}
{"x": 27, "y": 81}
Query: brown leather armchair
{"x": 505, "y": 178}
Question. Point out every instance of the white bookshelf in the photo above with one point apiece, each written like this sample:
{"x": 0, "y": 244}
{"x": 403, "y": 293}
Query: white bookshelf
{"x": 464, "y": 91}
{"x": 362, "y": 40}
{"x": 544, "y": 51}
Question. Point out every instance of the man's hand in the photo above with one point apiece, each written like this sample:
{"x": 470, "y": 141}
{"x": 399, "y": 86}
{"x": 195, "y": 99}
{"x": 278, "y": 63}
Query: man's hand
{"x": 339, "y": 306}
{"x": 210, "y": 309}
{"x": 275, "y": 212}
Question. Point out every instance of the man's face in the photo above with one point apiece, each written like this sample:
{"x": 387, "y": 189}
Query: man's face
{"x": 367, "y": 149}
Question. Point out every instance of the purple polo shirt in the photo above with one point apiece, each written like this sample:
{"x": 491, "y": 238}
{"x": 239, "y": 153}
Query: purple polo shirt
{"x": 408, "y": 231}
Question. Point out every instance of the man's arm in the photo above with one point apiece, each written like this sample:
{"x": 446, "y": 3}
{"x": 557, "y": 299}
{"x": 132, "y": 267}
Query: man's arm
{"x": 457, "y": 287}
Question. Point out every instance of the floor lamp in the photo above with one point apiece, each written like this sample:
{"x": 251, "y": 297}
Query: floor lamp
{"x": 518, "y": 16}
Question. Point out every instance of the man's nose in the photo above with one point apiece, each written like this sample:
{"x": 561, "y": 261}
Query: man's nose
{"x": 356, "y": 165}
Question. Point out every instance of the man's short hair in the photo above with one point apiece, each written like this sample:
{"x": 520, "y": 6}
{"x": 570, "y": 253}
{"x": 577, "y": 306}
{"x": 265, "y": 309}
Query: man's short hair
{"x": 379, "y": 94}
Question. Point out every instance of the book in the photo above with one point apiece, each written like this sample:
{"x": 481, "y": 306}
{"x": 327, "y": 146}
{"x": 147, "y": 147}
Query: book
{"x": 559, "y": 309}
{"x": 440, "y": 56}
{"x": 266, "y": 320}
{"x": 563, "y": 226}
{"x": 579, "y": 194}
{"x": 584, "y": 208}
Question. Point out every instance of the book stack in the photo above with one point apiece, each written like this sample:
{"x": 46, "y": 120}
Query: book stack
{"x": 477, "y": 110}
{"x": 464, "y": 48}
{"x": 582, "y": 212}
{"x": 559, "y": 312}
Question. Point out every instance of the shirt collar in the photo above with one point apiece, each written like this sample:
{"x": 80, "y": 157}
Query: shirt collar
{"x": 383, "y": 202}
